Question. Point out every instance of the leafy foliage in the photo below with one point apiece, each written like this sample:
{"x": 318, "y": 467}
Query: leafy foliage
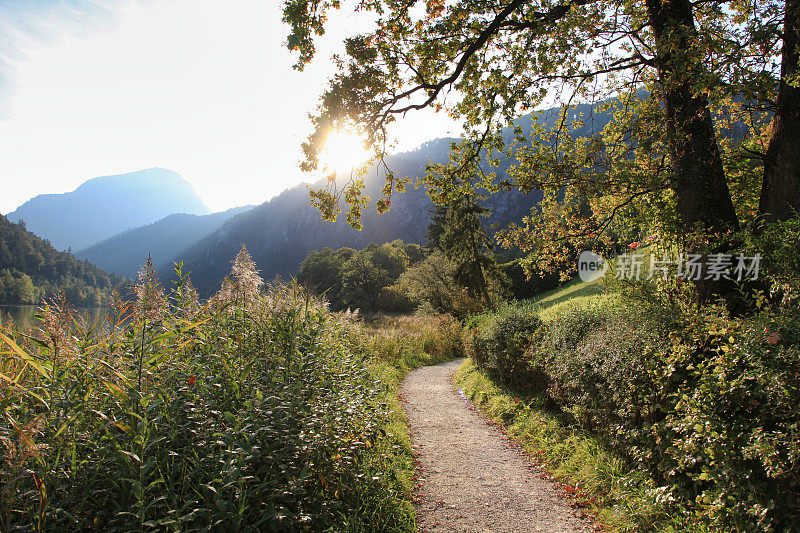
{"x": 256, "y": 412}
{"x": 702, "y": 404}
{"x": 728, "y": 439}
{"x": 499, "y": 343}
{"x": 432, "y": 283}
{"x": 361, "y": 279}
{"x": 700, "y": 101}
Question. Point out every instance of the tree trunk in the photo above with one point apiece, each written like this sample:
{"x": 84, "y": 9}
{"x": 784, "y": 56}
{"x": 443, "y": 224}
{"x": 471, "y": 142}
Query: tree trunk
{"x": 701, "y": 189}
{"x": 780, "y": 191}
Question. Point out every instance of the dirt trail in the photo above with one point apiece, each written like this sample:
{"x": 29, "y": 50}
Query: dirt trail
{"x": 472, "y": 478}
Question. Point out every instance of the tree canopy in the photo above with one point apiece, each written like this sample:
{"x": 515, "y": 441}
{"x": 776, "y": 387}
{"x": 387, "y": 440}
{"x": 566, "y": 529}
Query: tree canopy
{"x": 703, "y": 97}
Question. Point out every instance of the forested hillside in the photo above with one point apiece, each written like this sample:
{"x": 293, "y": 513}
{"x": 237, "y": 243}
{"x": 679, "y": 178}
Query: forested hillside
{"x": 164, "y": 240}
{"x": 32, "y": 269}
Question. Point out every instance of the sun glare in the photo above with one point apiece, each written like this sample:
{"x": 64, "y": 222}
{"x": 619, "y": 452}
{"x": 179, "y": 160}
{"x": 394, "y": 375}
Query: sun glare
{"x": 344, "y": 150}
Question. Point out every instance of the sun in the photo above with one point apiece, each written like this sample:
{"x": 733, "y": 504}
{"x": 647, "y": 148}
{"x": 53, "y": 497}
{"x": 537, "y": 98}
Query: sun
{"x": 344, "y": 150}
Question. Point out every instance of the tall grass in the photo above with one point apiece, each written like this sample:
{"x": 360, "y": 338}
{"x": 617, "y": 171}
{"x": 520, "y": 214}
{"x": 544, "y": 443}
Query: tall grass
{"x": 402, "y": 343}
{"x": 258, "y": 411}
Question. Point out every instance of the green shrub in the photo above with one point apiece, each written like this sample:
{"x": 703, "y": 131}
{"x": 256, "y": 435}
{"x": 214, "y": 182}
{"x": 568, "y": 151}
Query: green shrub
{"x": 706, "y": 406}
{"x": 393, "y": 299}
{"x": 600, "y": 360}
{"x": 728, "y": 444}
{"x": 498, "y": 345}
{"x": 520, "y": 285}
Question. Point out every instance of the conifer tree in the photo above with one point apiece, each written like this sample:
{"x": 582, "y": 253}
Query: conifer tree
{"x": 457, "y": 230}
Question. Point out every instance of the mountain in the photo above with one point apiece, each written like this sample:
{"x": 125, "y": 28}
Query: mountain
{"x": 279, "y": 233}
{"x": 163, "y": 240}
{"x": 102, "y": 207}
{"x": 32, "y": 269}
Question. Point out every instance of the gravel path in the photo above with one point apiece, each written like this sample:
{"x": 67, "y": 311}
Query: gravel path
{"x": 472, "y": 478}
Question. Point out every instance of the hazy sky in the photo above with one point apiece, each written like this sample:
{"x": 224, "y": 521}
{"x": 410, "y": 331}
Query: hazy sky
{"x": 205, "y": 88}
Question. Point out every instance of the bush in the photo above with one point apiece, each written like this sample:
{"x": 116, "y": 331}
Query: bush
{"x": 706, "y": 406}
{"x": 498, "y": 345}
{"x": 392, "y": 299}
{"x": 600, "y": 361}
{"x": 520, "y": 285}
{"x": 728, "y": 442}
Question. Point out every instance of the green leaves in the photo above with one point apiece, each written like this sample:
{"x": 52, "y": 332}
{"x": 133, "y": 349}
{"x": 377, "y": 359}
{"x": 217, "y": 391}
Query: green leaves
{"x": 238, "y": 417}
{"x": 704, "y": 405}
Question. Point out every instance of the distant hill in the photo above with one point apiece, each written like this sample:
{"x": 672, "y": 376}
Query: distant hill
{"x": 30, "y": 269}
{"x": 103, "y": 207}
{"x": 279, "y": 233}
{"x": 164, "y": 240}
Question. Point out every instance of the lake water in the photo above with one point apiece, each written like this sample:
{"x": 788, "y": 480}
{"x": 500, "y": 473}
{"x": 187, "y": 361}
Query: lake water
{"x": 22, "y": 315}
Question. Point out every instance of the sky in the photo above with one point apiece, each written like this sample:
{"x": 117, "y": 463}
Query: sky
{"x": 205, "y": 88}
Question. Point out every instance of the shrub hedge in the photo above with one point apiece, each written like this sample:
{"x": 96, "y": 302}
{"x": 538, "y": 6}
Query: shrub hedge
{"x": 499, "y": 342}
{"x": 705, "y": 405}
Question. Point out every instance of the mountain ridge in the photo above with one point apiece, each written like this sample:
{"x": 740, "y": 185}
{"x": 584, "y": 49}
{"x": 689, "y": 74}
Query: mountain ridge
{"x": 163, "y": 240}
{"x": 101, "y": 207}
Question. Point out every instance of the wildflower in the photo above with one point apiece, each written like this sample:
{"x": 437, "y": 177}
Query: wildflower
{"x": 117, "y": 303}
{"x": 191, "y": 380}
{"x": 245, "y": 273}
{"x": 633, "y": 245}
